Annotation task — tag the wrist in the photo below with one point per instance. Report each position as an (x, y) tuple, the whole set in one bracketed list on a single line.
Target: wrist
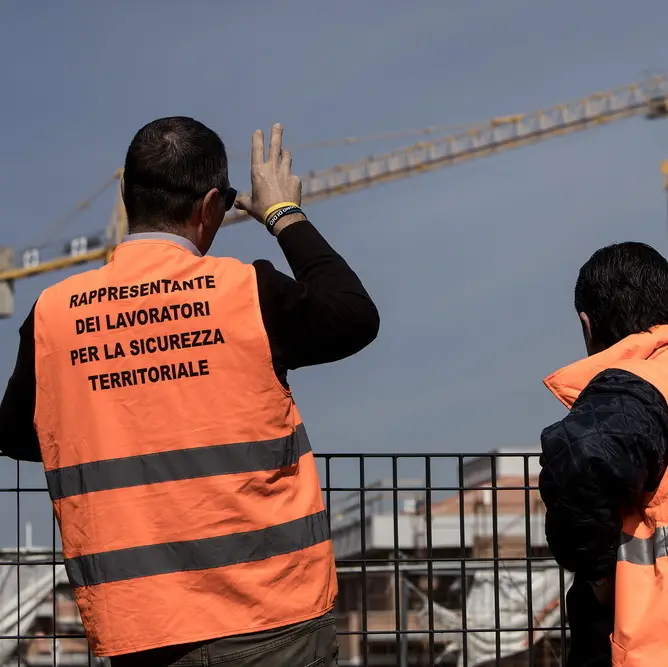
[(277, 213), (288, 220)]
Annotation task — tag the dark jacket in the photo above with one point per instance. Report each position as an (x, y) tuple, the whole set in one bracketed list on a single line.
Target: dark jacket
[(596, 462)]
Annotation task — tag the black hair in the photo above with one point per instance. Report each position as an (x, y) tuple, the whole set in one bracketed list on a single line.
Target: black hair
[(623, 289), (171, 164)]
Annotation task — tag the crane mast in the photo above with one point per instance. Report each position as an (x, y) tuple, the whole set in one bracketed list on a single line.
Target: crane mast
[(647, 98)]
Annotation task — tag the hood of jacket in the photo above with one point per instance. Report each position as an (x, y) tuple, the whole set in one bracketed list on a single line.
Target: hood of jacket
[(568, 382)]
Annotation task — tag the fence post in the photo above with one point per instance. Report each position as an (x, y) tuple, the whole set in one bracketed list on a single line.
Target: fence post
[(404, 621)]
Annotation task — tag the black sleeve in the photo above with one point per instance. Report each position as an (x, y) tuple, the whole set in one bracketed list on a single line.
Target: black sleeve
[(323, 314), (591, 624), (596, 463), (18, 438)]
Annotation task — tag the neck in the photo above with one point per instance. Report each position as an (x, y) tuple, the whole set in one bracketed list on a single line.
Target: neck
[(177, 230), (163, 228)]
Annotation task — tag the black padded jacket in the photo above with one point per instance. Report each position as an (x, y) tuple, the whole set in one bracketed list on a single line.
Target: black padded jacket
[(598, 462)]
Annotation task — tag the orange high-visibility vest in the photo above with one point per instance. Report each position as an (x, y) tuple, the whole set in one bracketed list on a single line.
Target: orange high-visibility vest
[(181, 475), (640, 637)]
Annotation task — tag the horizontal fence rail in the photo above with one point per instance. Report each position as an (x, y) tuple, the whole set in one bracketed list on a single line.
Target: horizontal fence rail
[(441, 560)]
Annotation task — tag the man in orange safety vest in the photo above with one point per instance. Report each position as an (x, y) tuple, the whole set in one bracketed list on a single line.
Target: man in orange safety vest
[(603, 477), (154, 390)]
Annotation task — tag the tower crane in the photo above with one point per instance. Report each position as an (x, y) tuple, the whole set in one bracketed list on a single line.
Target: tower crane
[(648, 98)]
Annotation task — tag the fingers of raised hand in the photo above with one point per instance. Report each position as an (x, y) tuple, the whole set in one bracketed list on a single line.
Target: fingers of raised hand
[(257, 148), (243, 202), (286, 162), (296, 184), (275, 143)]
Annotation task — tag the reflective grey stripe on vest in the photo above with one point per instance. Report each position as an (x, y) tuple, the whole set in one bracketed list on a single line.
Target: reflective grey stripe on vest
[(643, 551), (178, 465), (205, 554)]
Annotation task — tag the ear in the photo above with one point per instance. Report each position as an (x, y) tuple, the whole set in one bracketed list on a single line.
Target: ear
[(212, 205), (123, 187), (586, 332)]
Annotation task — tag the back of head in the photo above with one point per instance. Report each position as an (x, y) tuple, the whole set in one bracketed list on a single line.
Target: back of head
[(623, 290), (170, 165)]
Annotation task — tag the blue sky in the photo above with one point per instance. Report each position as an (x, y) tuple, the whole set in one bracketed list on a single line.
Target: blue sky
[(472, 267)]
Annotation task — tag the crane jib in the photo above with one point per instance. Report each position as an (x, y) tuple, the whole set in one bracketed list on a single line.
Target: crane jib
[(646, 98)]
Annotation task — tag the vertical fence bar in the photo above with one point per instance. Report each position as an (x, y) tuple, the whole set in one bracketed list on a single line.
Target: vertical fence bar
[(365, 582), (328, 495), (495, 554), (398, 616), (462, 546), (562, 613), (54, 610), (430, 557), (328, 491), (528, 547), (18, 563)]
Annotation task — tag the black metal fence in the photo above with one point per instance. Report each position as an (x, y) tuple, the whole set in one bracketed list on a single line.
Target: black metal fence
[(441, 561)]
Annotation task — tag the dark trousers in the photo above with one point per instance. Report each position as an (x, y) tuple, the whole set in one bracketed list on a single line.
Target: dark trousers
[(309, 644)]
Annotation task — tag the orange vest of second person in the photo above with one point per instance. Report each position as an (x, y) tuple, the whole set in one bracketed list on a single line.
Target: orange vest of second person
[(182, 478), (640, 637)]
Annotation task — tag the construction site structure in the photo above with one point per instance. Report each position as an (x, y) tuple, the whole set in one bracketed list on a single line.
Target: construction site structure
[(646, 98)]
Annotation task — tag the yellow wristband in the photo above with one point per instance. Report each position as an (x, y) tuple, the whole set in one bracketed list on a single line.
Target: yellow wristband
[(275, 207)]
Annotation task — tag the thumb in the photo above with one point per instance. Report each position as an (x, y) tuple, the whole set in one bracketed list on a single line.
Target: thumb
[(243, 202)]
